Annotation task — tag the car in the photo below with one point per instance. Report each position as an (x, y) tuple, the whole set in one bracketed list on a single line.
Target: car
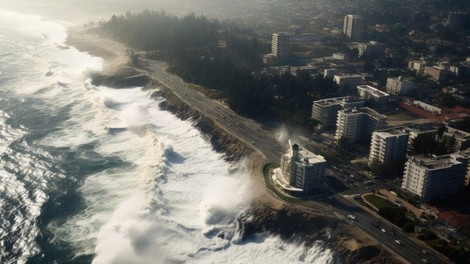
[(424, 260), (383, 230), (398, 242), (352, 217)]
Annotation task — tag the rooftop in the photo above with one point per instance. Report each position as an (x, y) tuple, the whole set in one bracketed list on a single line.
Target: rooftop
[(365, 110), (437, 162), (308, 157), (336, 101), (372, 91), (391, 132)]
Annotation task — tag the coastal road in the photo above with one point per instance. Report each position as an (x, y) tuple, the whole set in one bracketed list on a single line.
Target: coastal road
[(252, 134), (385, 233), (244, 129)]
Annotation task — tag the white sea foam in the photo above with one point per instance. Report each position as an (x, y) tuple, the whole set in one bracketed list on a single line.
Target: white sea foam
[(167, 198)]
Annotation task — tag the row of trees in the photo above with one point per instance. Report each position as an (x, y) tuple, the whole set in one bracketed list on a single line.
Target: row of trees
[(434, 144), (223, 57)]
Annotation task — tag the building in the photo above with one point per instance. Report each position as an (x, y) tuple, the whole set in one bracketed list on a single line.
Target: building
[(435, 72), (302, 170), (354, 26), (388, 146), (357, 124), (372, 94), (326, 110), (462, 138), (427, 107), (280, 46), (399, 86), (347, 81), (339, 56), (417, 66), (423, 130), (371, 50), (330, 73), (458, 20), (436, 176)]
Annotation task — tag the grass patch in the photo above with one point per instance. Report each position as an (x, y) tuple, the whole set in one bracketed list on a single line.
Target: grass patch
[(378, 202)]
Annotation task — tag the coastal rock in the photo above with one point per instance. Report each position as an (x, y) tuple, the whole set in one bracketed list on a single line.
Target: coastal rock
[(221, 141)]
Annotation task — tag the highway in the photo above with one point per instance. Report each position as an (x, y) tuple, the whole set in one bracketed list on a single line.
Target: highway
[(252, 134), (244, 129)]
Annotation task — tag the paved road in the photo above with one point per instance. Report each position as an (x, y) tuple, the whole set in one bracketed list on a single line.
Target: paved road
[(244, 129), (252, 134)]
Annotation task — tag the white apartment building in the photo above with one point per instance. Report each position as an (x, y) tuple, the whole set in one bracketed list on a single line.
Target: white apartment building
[(431, 177), (354, 26), (302, 169), (280, 45), (348, 81), (388, 145), (399, 86), (326, 110), (372, 94), (427, 107), (330, 73), (417, 65), (357, 124)]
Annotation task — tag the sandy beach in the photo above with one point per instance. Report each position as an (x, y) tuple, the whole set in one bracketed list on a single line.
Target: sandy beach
[(114, 54)]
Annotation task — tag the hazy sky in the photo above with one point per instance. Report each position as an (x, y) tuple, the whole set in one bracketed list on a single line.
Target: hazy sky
[(81, 11)]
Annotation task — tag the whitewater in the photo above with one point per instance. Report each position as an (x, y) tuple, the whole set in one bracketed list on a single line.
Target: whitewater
[(91, 174)]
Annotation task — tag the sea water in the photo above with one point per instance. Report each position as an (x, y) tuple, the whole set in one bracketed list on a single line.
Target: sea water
[(94, 174)]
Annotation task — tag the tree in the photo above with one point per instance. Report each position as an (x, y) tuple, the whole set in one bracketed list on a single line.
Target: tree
[(342, 146), (422, 144), (441, 130), (408, 228)]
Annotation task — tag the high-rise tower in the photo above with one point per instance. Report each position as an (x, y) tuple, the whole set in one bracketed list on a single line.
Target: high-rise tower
[(354, 26), (280, 46)]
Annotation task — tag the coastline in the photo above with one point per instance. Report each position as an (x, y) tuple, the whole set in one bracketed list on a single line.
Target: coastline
[(266, 213)]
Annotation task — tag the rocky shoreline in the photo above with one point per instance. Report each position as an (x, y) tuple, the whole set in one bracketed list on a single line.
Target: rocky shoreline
[(291, 223), (266, 213)]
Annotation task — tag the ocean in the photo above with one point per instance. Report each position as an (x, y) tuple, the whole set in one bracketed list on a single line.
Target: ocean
[(91, 174)]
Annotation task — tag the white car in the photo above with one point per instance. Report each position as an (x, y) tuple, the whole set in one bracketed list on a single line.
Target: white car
[(398, 242)]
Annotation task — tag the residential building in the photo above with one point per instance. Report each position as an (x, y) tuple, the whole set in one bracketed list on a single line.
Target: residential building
[(435, 72), (280, 46), (388, 146), (330, 73), (436, 176), (399, 86), (302, 169), (347, 81), (417, 66), (372, 94), (339, 56), (357, 124), (420, 131), (427, 107), (354, 26), (326, 110), (371, 50), (462, 138)]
